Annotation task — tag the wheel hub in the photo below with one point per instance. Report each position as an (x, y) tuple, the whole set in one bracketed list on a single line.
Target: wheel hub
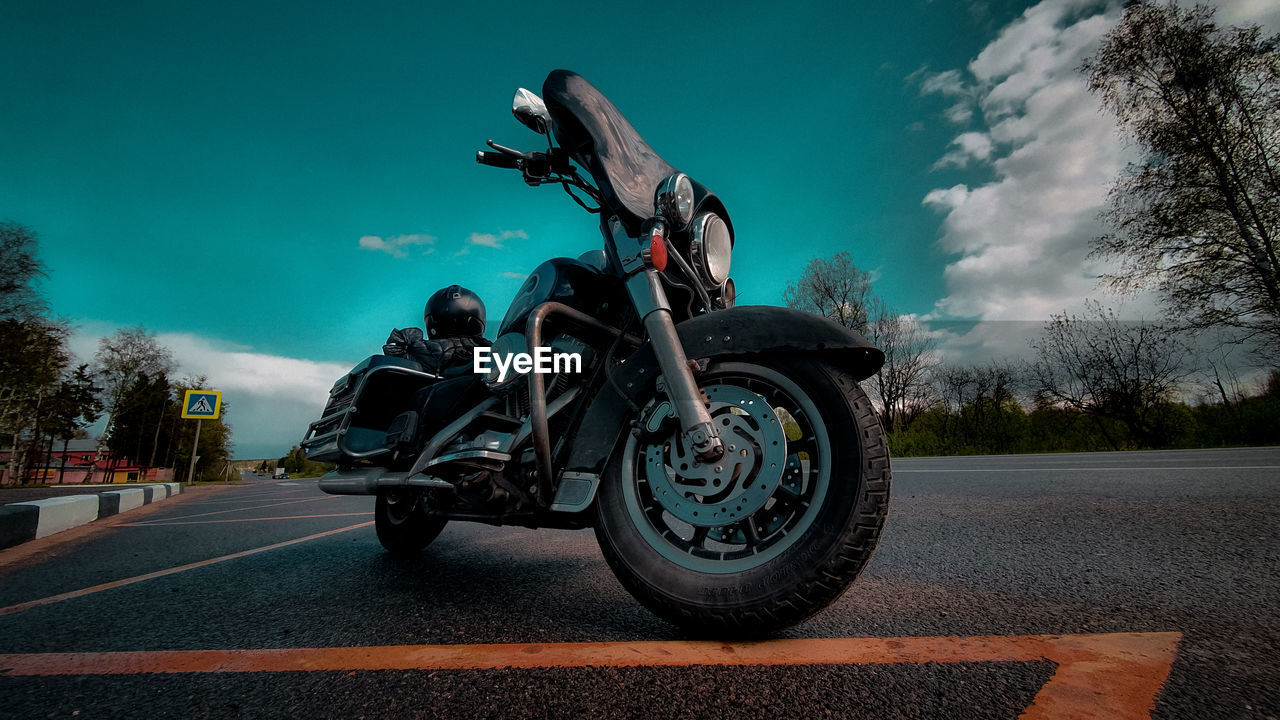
[(739, 483)]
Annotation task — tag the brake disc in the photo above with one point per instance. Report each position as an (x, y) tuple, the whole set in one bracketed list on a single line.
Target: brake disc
[(739, 483)]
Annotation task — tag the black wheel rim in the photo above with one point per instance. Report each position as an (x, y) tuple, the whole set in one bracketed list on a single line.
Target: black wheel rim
[(766, 528), (400, 505)]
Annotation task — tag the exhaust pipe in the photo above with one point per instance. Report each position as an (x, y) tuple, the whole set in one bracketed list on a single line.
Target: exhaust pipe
[(367, 481)]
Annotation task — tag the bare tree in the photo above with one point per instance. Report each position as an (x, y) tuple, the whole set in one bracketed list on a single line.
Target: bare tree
[(1107, 368), (983, 410), (121, 358), (19, 268), (901, 387), (1199, 216), (834, 288), (961, 386)]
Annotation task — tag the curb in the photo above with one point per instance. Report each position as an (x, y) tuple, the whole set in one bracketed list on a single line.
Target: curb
[(24, 521)]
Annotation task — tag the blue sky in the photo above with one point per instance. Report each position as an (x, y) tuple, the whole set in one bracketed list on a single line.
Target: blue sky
[(208, 171)]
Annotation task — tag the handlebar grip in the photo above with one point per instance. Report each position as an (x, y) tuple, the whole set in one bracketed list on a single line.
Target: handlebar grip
[(496, 159)]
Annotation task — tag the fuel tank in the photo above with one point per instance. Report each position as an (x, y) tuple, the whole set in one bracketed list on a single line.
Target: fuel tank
[(564, 280)]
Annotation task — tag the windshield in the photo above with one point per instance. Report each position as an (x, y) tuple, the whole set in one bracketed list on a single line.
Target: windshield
[(601, 140)]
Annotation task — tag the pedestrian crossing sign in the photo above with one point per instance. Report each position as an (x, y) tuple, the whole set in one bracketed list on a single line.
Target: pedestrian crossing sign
[(202, 404)]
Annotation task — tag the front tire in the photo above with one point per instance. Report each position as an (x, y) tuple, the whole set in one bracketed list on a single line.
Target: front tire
[(801, 532), (403, 526)]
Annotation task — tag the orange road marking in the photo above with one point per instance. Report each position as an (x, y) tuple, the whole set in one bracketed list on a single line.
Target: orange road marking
[(255, 507), (236, 520), (1098, 676), (161, 573)]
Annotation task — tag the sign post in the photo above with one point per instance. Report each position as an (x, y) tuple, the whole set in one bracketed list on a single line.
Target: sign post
[(200, 405)]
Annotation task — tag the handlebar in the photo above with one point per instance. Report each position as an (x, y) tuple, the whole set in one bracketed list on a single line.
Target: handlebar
[(539, 168), (535, 166), (497, 159)]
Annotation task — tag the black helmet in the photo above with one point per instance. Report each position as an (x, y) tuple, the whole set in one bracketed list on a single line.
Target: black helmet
[(454, 312)]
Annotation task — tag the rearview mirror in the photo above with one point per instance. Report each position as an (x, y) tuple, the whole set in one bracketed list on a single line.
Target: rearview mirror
[(531, 111)]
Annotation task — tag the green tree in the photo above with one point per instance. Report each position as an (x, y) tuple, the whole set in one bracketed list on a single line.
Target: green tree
[(293, 461), (1199, 216), (214, 451), (33, 355), (120, 359), (75, 407), (139, 430)]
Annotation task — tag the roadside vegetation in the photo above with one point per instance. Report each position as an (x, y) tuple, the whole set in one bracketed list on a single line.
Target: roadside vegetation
[(1093, 383), (48, 399), (295, 463)]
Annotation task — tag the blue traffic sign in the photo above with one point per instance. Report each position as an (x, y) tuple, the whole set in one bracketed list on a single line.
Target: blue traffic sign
[(202, 404)]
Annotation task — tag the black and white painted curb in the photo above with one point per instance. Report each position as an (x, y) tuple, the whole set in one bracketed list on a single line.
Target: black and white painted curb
[(23, 521)]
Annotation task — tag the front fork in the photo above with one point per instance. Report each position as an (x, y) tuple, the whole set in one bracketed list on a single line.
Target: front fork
[(650, 301)]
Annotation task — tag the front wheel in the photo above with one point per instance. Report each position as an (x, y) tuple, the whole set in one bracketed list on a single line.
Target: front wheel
[(403, 526), (775, 530)]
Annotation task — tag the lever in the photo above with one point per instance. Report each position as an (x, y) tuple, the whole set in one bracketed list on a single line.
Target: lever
[(505, 150)]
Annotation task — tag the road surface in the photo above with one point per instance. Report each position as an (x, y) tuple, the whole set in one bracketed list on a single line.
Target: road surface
[(1168, 561)]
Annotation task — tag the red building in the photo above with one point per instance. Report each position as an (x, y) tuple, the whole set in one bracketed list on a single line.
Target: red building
[(81, 463)]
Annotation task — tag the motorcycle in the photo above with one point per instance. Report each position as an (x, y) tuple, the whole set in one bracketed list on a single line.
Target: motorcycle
[(734, 472)]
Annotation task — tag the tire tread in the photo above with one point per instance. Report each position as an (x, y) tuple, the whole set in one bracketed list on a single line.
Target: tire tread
[(824, 582)]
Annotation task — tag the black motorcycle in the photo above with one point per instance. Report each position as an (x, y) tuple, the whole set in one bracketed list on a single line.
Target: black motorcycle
[(735, 474)]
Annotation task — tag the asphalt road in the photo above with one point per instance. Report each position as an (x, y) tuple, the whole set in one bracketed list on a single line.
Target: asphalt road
[(1157, 542)]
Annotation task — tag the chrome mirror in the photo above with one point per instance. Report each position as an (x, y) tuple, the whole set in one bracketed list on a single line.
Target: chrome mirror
[(531, 111)]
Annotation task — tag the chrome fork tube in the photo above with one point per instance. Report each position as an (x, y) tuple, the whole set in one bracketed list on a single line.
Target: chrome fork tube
[(695, 421)]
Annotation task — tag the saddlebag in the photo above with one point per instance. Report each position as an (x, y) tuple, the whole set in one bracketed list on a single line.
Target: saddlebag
[(371, 411)]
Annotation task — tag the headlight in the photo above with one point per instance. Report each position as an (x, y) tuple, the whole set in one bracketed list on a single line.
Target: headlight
[(674, 200), (711, 248)]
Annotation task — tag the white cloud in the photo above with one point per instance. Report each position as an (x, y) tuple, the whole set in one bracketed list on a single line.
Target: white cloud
[(485, 240), (395, 245), (949, 83), (1023, 238), (975, 343), (960, 113), (271, 398), (234, 369), (968, 146), (495, 241), (490, 240), (1246, 12)]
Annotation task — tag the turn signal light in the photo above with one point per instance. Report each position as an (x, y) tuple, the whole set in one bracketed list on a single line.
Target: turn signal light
[(657, 251)]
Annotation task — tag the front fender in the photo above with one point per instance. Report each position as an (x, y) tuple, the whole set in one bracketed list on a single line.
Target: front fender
[(753, 329), (740, 331)]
